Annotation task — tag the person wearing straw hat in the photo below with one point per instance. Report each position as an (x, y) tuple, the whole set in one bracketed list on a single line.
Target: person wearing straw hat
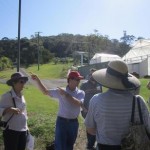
[(13, 111), (109, 113), (70, 101)]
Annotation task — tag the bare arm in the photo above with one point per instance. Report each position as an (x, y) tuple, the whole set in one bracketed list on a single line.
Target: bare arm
[(70, 98), (12, 110), (91, 131), (40, 84)]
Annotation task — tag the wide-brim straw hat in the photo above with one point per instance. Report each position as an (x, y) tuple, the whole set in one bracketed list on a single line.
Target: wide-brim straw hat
[(116, 76), (15, 77)]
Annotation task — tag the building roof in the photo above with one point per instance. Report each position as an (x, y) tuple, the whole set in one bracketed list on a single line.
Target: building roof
[(139, 51), (102, 57)]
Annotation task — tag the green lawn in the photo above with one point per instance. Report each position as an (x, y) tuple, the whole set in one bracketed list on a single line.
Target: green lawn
[(50, 70), (46, 71), (41, 112), (41, 108)]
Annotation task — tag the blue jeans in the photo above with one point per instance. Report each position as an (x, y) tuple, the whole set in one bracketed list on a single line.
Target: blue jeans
[(91, 139), (65, 134)]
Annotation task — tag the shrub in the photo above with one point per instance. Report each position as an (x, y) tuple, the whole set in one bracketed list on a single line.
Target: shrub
[(5, 63)]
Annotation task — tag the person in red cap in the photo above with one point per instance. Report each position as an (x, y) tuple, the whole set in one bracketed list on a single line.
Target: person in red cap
[(70, 100)]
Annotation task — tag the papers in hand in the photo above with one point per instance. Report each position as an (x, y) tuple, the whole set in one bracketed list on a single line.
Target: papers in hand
[(30, 142)]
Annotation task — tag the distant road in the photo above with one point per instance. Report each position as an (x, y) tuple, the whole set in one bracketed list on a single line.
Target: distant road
[(51, 83)]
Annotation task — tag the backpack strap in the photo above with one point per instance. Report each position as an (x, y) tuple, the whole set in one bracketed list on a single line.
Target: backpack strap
[(14, 105), (133, 109), (140, 112)]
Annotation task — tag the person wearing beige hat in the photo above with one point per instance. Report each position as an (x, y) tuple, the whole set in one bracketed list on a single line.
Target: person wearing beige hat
[(109, 113), (13, 111)]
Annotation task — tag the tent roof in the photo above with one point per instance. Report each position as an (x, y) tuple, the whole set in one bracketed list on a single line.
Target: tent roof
[(139, 51), (101, 57), (104, 55)]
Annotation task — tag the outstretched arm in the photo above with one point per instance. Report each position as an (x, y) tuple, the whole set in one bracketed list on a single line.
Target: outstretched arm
[(70, 98), (40, 84)]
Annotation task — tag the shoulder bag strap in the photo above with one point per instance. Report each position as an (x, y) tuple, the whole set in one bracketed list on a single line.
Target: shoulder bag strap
[(14, 105), (140, 112), (133, 110)]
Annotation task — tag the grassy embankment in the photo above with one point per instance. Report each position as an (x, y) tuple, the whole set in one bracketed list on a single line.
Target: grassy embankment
[(42, 109)]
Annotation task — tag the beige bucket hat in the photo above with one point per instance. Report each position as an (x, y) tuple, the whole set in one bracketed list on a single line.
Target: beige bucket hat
[(116, 76)]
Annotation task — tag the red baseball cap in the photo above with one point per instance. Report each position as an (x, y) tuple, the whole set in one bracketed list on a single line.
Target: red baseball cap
[(75, 74)]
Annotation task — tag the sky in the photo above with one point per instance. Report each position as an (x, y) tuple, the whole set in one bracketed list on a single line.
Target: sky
[(53, 17)]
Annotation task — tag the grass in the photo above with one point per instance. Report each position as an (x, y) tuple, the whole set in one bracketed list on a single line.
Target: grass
[(46, 71), (41, 113), (49, 71), (6, 73), (144, 91), (42, 110)]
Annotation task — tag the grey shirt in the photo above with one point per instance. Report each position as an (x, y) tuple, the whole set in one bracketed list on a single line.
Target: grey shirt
[(19, 121), (110, 113), (90, 89)]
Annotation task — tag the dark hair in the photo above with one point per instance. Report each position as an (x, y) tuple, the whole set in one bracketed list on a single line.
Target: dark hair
[(93, 69), (69, 79)]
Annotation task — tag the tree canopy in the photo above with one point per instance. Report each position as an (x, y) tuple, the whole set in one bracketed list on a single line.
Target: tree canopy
[(62, 46)]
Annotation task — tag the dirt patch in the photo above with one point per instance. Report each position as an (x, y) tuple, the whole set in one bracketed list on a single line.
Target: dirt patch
[(81, 139)]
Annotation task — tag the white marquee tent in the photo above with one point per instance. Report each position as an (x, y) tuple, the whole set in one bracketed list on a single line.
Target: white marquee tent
[(139, 51), (138, 58), (101, 57)]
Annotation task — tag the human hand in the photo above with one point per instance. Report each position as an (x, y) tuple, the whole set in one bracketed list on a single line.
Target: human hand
[(15, 110), (34, 76), (61, 91)]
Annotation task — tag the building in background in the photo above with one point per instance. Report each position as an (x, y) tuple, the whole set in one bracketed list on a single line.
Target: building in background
[(138, 58), (101, 57)]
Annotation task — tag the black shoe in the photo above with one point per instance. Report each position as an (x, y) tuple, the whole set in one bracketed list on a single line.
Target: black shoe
[(91, 148)]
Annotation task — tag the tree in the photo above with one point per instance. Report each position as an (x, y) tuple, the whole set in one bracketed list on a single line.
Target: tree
[(128, 39)]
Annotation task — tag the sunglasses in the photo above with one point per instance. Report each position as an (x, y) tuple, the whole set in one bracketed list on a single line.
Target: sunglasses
[(22, 81)]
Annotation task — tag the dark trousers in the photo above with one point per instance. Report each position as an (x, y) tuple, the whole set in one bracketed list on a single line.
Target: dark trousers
[(66, 133), (91, 139), (109, 147), (14, 140)]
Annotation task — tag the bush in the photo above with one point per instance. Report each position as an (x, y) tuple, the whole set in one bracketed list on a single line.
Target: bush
[(5, 63)]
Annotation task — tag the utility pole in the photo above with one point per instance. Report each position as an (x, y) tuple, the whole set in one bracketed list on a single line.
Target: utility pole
[(38, 34), (19, 22)]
